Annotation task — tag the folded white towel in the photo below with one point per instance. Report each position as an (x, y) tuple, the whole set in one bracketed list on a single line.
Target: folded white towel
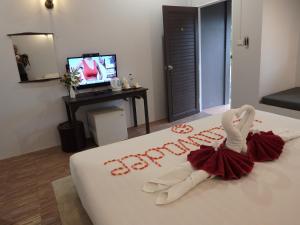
[(245, 124), (181, 179), (174, 176), (247, 119), (180, 189), (236, 135), (287, 135)]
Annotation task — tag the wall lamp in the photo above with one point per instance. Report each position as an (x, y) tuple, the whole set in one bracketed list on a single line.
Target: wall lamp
[(49, 4)]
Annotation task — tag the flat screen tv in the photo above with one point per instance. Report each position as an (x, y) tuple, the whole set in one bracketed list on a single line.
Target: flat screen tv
[(94, 71)]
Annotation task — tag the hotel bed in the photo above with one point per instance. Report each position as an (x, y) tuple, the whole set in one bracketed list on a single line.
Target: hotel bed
[(109, 180)]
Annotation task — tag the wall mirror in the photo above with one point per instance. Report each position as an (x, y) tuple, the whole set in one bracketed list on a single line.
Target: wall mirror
[(35, 56)]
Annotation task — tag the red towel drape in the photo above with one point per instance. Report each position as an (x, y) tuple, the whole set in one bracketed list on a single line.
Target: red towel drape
[(264, 146), (223, 162)]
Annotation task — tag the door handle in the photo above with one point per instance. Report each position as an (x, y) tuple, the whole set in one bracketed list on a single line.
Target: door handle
[(170, 67)]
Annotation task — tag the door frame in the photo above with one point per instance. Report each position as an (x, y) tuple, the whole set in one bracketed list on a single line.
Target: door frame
[(213, 2), (170, 9), (228, 47), (209, 3)]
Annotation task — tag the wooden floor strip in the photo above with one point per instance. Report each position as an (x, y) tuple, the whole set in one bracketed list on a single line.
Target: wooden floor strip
[(26, 194)]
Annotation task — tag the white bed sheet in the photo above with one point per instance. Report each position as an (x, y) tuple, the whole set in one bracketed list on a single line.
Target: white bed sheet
[(270, 195)]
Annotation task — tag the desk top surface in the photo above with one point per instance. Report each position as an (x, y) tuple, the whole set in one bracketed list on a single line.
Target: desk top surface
[(102, 95)]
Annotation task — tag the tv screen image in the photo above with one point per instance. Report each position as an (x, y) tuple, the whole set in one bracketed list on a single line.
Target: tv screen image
[(94, 71)]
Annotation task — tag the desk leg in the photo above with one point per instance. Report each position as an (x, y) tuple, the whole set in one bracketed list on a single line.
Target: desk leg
[(68, 112), (134, 111), (146, 113), (73, 114)]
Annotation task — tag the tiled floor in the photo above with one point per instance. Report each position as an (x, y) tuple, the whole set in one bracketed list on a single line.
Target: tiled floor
[(26, 194), (217, 109)]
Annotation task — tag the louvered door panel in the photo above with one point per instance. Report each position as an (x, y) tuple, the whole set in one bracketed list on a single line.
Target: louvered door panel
[(181, 53)]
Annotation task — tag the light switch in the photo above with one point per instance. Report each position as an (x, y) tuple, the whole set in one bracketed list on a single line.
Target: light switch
[(240, 42)]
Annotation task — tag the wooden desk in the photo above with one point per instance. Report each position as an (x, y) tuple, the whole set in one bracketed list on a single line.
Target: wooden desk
[(72, 105)]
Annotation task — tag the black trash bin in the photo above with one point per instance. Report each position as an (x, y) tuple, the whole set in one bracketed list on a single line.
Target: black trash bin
[(72, 136)]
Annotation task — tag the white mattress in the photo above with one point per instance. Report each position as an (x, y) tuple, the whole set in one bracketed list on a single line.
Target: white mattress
[(270, 195)]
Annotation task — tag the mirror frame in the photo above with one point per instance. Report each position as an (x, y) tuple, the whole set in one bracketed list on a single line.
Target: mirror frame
[(29, 33), (34, 33)]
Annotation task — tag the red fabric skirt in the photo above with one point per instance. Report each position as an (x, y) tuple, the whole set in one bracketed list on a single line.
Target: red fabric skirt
[(264, 146), (223, 162)]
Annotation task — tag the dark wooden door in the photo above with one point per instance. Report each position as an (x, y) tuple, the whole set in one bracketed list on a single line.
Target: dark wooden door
[(181, 60), (215, 54)]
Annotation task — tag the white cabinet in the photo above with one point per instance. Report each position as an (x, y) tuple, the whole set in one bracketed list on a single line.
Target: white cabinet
[(108, 125)]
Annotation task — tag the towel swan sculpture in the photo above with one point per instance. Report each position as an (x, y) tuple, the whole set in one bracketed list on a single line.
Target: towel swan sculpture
[(236, 136), (186, 176)]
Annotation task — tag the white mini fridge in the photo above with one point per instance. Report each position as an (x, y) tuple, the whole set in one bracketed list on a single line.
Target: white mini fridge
[(108, 125)]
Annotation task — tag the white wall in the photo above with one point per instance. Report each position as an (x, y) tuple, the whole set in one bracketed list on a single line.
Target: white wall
[(280, 40), (132, 29), (269, 64), (201, 3), (247, 21), (280, 52), (41, 53), (298, 65)]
